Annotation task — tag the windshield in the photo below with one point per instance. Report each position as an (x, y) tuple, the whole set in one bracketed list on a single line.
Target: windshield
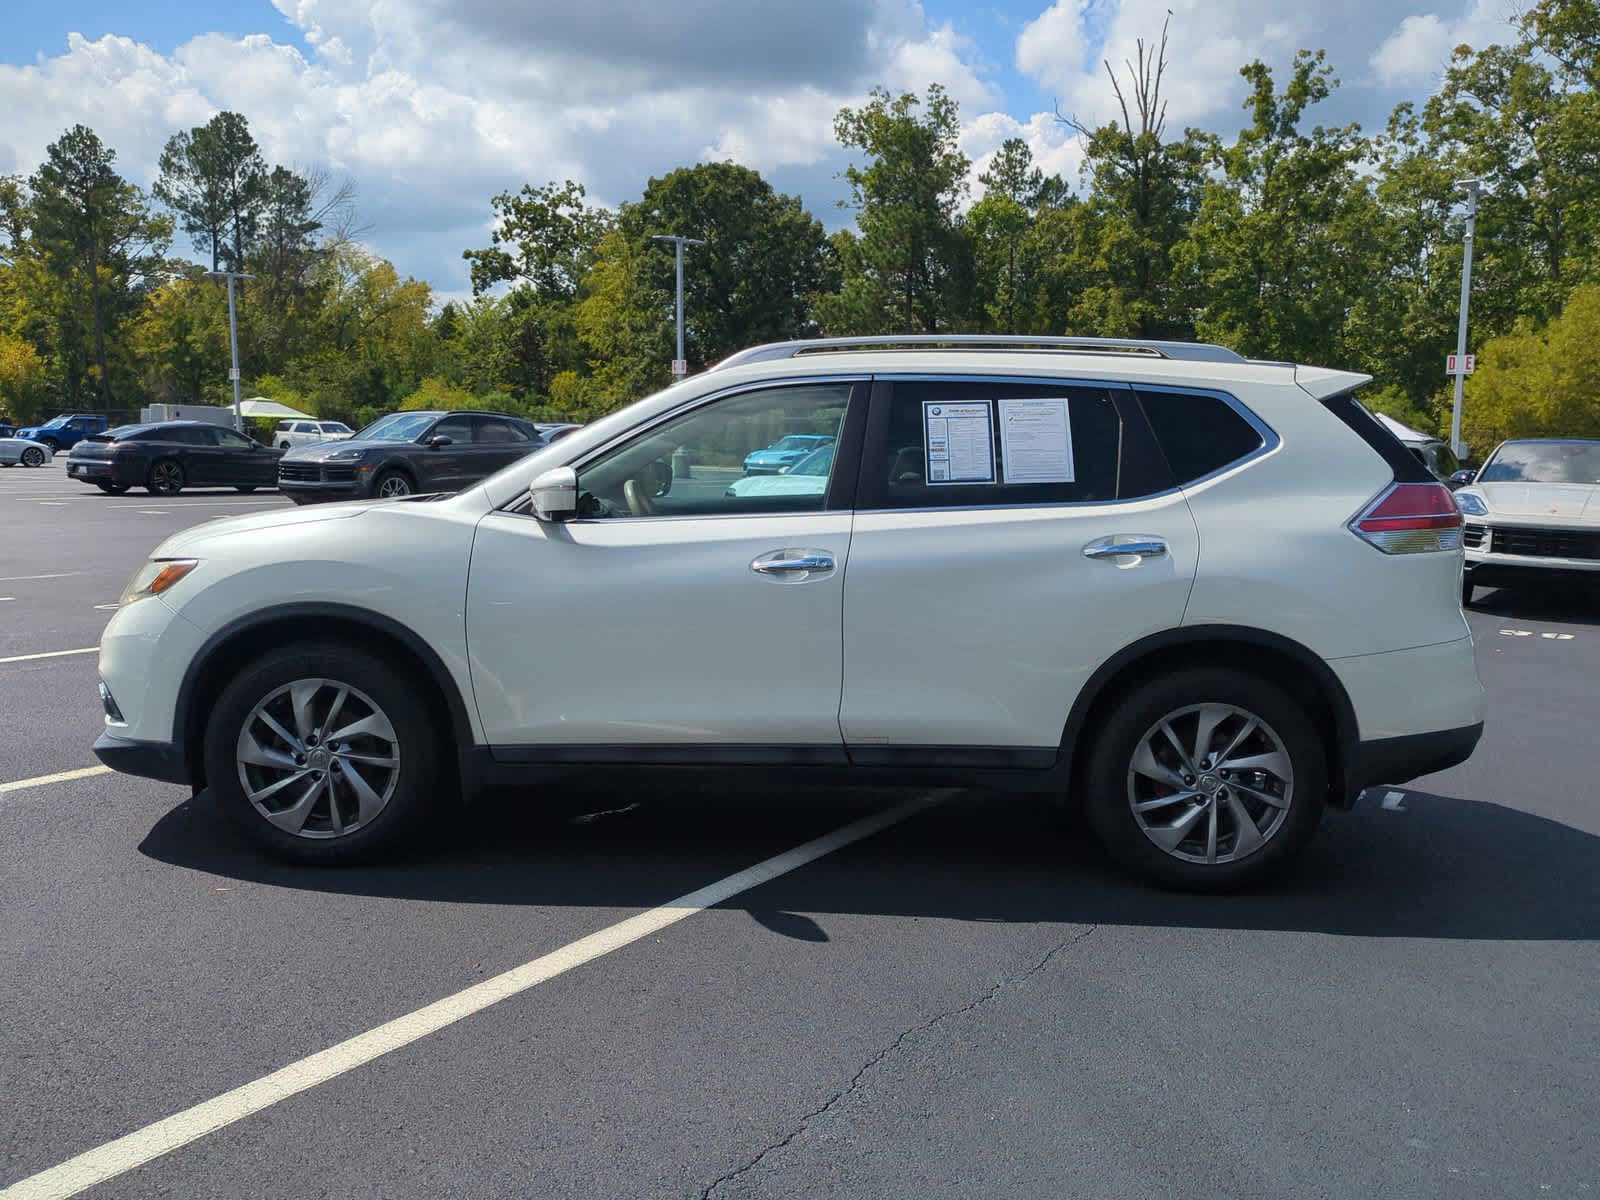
[(818, 462), (397, 427), (1543, 462), (794, 441), (55, 422)]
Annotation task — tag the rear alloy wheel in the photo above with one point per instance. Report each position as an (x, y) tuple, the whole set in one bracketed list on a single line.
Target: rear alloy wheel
[(323, 754), (33, 457), (166, 478), (1207, 779), (391, 485)]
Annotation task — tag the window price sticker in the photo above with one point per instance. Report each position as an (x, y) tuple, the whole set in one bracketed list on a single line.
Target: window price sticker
[(959, 442)]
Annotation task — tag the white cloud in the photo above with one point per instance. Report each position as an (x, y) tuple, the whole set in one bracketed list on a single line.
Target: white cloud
[(1418, 49)]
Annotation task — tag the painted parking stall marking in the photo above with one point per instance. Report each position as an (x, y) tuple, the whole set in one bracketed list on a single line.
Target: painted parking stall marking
[(18, 785), (16, 658), (141, 1146), (1549, 637)]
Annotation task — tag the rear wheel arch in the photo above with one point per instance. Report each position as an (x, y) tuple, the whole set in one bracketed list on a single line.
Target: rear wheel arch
[(1280, 660), (239, 643)]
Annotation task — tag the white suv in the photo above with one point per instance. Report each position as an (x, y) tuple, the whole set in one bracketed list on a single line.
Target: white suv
[(1203, 596), (290, 434)]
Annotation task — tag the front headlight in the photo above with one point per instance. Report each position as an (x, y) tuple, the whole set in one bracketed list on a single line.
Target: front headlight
[(344, 456), (156, 576), (1471, 505)]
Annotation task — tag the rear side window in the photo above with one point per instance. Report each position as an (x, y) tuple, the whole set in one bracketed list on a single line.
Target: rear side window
[(957, 443), (191, 435), (1406, 467), (1200, 434)]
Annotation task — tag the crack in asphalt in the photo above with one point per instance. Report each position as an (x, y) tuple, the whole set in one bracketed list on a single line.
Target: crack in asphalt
[(843, 1093)]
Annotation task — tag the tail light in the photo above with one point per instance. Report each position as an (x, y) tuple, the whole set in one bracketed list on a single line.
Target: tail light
[(1411, 518)]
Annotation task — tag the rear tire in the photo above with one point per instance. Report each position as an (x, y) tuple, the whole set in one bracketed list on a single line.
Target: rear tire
[(33, 457), (324, 817), (165, 478), (246, 488), (1467, 588), (1280, 785)]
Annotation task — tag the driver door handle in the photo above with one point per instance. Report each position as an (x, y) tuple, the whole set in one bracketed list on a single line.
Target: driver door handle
[(1139, 545)]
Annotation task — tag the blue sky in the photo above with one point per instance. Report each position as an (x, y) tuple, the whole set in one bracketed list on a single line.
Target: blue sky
[(432, 106)]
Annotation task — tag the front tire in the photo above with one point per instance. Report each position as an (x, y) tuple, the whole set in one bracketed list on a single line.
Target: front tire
[(33, 457), (391, 485), (323, 754), (50, 444), (165, 478), (1467, 588), (1207, 779)]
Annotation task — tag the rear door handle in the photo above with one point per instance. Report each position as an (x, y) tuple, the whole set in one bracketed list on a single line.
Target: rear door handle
[(1139, 545), (793, 566)]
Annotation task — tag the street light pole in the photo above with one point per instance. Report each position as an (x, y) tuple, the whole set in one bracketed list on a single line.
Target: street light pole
[(233, 340), (1470, 186), (680, 365)]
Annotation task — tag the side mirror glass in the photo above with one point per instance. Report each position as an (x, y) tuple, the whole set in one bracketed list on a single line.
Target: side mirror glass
[(554, 495), (1462, 478)]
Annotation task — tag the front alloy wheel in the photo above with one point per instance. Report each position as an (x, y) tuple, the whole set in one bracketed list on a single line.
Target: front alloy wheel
[(33, 457), (393, 485), (1210, 783), (318, 758)]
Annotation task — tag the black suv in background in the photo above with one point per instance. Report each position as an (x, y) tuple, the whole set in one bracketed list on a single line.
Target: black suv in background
[(166, 457), (406, 453)]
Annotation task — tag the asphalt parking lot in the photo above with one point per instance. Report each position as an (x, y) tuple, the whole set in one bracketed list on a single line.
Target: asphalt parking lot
[(965, 1002)]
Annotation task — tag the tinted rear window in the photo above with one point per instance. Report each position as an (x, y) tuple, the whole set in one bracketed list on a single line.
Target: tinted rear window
[(1199, 434), (1407, 467)]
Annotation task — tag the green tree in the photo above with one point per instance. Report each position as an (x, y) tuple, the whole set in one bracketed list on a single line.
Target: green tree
[(620, 321), (178, 341), (21, 378), (1286, 239), (1144, 191), (94, 229), (1539, 381), (763, 261), (435, 393), (544, 238), (214, 178), (910, 268)]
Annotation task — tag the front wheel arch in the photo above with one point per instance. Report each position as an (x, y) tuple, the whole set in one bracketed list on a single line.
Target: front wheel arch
[(236, 644)]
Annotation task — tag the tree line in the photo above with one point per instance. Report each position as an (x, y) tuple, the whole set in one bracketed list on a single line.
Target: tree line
[(1290, 240)]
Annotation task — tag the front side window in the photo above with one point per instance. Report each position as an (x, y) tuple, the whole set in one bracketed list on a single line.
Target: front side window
[(233, 441), (708, 461), (457, 429), (954, 443)]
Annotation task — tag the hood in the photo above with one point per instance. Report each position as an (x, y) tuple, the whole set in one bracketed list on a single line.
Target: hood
[(180, 544), (1548, 500), (328, 447)]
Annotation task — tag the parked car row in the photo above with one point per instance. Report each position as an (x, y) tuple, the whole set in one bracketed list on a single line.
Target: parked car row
[(309, 460)]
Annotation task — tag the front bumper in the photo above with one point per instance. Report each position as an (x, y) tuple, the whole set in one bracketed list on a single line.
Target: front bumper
[(152, 760), (310, 491), (1503, 552), (1402, 759)]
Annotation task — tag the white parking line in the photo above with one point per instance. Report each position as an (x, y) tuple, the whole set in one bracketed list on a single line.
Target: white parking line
[(16, 785), (139, 1147), (20, 578), (195, 504), (50, 654)]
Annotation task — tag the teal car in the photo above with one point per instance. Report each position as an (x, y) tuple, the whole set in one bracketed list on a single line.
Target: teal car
[(785, 452)]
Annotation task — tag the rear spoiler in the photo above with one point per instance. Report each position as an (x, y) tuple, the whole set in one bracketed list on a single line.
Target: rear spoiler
[(1320, 382)]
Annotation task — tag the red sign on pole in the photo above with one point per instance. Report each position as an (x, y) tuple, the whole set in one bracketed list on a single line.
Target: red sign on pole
[(1468, 362)]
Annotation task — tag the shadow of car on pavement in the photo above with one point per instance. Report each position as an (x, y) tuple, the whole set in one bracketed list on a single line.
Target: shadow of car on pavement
[(1438, 868)]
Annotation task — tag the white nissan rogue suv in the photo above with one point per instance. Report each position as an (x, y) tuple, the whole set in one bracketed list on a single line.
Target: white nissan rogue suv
[(1202, 596)]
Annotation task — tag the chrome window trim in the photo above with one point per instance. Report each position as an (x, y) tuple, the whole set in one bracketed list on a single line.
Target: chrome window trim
[(1270, 441)]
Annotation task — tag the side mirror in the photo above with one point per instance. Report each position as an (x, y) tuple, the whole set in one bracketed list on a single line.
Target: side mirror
[(554, 495), (442, 439), (1462, 478)]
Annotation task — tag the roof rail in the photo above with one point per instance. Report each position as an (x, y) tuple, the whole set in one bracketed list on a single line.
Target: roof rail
[(1190, 351)]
